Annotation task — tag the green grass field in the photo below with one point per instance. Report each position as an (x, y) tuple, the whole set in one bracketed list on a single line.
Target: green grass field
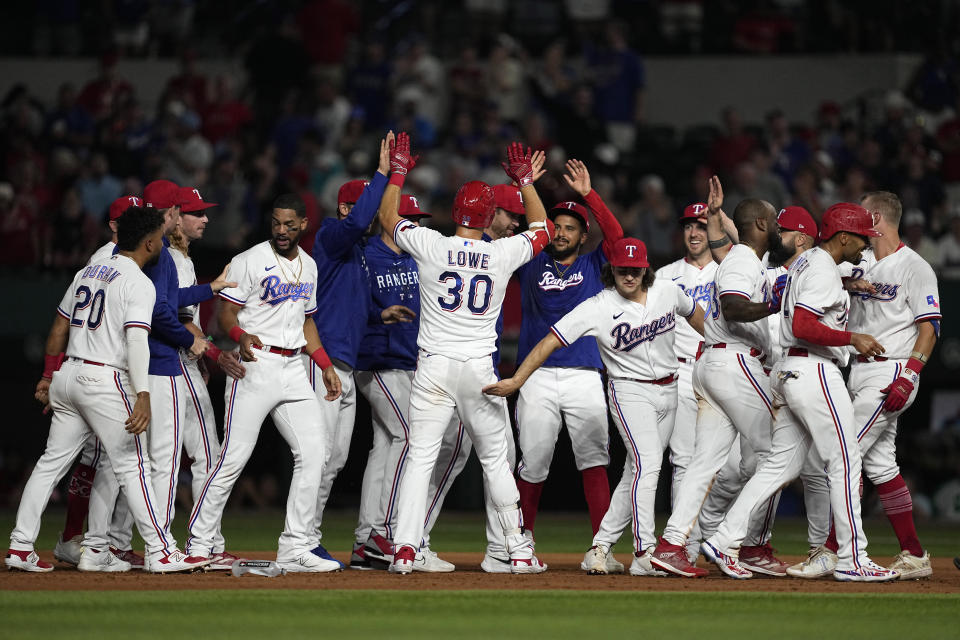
[(468, 614)]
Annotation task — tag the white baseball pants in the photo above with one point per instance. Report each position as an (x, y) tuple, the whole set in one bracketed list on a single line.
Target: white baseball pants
[(274, 385), (876, 428), (165, 440)]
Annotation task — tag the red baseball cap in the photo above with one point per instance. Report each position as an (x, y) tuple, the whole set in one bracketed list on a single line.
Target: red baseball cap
[(629, 252), (121, 204), (696, 211), (350, 191), (161, 194), (574, 209), (410, 208), (191, 201), (797, 219), (507, 197)]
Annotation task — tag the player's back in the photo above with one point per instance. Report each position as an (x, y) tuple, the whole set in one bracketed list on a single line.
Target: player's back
[(104, 299), (462, 285)]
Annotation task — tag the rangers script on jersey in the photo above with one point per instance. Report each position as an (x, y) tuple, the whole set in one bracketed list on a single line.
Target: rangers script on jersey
[(698, 283)]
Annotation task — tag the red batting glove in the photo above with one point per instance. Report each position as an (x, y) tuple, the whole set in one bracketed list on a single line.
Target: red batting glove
[(898, 392), (401, 161), (519, 165)]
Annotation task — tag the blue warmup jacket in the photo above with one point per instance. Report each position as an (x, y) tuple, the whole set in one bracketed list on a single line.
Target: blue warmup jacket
[(393, 280), (343, 296)]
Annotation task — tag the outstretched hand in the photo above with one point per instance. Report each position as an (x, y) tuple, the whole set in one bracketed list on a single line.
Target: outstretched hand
[(578, 177), (221, 282), (502, 388), (401, 160), (715, 196), (519, 165)]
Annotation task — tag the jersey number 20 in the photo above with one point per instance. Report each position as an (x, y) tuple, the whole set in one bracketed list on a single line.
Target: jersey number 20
[(478, 294), (87, 300)]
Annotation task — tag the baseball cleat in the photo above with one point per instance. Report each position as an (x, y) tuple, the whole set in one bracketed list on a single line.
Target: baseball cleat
[(222, 561), (820, 562), (134, 558), (101, 560), (358, 559), (910, 567), (522, 557), (613, 565), (956, 561), (174, 562), (321, 552), (403, 560), (310, 562), (378, 551), (760, 559), (595, 560), (428, 561), (869, 571), (641, 565), (672, 558), (728, 564), (26, 561), (68, 551), (495, 564)]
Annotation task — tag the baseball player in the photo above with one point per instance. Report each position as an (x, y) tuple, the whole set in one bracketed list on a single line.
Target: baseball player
[(80, 490), (903, 312), (633, 321), (200, 439), (462, 284), (342, 285), (101, 327), (568, 388), (269, 316), (728, 378), (811, 399)]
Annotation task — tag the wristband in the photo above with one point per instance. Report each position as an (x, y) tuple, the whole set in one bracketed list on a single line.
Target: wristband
[(537, 225), (213, 352), (722, 242), (320, 358), (913, 365), (51, 364), (918, 355), (397, 179), (236, 333)]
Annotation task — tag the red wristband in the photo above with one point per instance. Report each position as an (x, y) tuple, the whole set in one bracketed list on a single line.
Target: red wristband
[(236, 333), (213, 352), (320, 357), (914, 365), (397, 179), (51, 364)]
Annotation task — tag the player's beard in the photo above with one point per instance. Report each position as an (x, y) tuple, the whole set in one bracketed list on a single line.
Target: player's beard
[(779, 253), (561, 254)]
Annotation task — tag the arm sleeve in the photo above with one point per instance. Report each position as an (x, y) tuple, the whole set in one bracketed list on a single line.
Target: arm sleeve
[(138, 358), (922, 294), (524, 247), (612, 231), (166, 322), (189, 296), (65, 308), (238, 295), (733, 279), (807, 326), (413, 239), (337, 237), (578, 323), (311, 307)]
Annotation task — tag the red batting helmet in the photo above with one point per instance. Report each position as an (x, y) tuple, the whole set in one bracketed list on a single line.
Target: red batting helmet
[(849, 217), (474, 205)]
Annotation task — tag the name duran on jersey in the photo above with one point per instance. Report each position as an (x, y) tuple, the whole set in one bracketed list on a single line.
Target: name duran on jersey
[(100, 272)]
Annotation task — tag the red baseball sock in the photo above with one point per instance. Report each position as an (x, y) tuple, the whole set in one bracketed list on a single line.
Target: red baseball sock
[(831, 542), (529, 501), (596, 489), (898, 505), (78, 500)]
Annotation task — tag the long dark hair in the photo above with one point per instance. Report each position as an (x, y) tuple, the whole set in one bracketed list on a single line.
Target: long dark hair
[(646, 281)]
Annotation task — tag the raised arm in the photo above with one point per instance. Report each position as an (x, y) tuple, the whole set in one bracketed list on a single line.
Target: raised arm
[(578, 178), (721, 232), (525, 168), (398, 151)]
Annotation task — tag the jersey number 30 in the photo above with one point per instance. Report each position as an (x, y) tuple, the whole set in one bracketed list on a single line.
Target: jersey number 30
[(478, 294), (92, 303)]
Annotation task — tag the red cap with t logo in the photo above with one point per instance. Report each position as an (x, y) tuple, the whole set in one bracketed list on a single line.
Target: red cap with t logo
[(191, 201), (121, 204), (629, 252), (696, 211)]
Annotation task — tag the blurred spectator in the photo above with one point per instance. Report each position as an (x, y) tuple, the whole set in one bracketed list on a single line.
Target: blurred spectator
[(21, 111), (948, 141), (190, 154), (22, 228), (69, 123), (555, 75), (733, 146), (291, 124), (98, 188), (915, 237), (225, 115), (764, 30), (228, 226), (333, 111), (788, 151), (102, 95), (189, 86), (579, 130), (933, 86), (920, 188), (276, 64), (893, 129), (75, 233), (656, 221), (368, 84), (326, 27), (950, 248), (806, 192), (466, 80), (505, 82), (753, 179), (419, 77), (856, 182), (619, 81)]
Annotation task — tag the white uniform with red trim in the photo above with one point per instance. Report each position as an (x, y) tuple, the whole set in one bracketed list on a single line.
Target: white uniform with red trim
[(276, 295), (733, 392), (91, 394), (812, 406), (200, 440), (637, 347), (462, 285), (907, 294)]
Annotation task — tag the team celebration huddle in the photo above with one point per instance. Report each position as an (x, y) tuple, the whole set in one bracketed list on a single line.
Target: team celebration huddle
[(729, 358)]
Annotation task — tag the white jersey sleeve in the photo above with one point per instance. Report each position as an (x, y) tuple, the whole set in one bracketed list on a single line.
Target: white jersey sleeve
[(923, 295), (813, 283), (244, 279), (698, 283), (186, 277), (583, 320)]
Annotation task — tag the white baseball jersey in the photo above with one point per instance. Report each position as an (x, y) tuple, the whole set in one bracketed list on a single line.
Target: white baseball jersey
[(187, 277), (698, 283), (462, 284), (103, 300), (813, 283), (741, 274), (635, 340), (773, 320), (906, 294), (275, 294), (103, 252)]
